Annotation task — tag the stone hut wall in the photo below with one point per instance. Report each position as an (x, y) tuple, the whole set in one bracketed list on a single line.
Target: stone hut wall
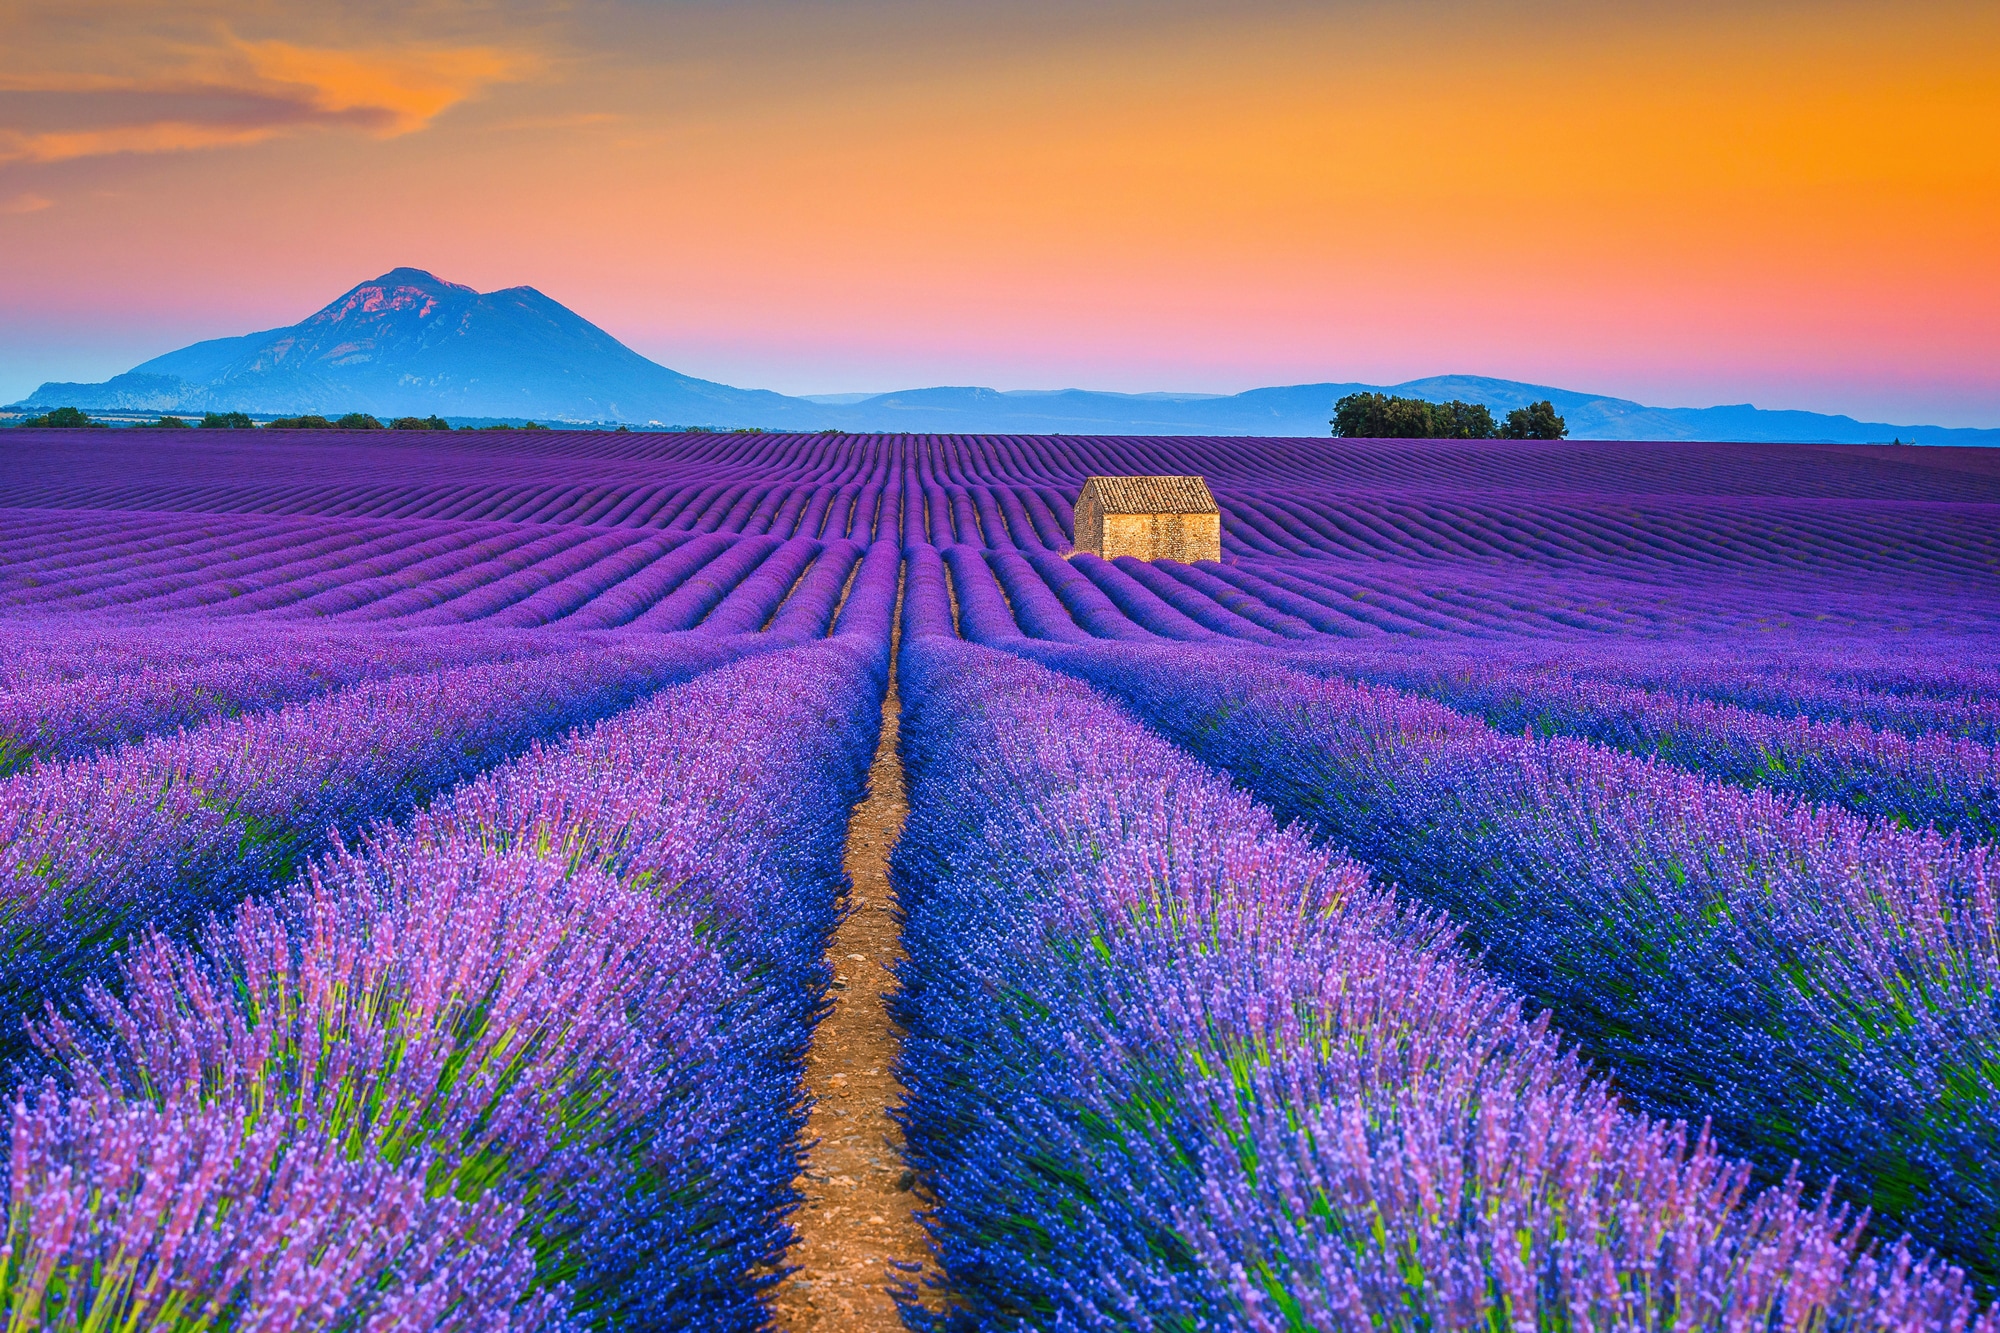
[(1183, 537), (1152, 518), (1089, 522)]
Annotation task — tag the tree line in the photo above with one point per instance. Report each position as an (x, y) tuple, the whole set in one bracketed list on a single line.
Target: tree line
[(1381, 416), (70, 418)]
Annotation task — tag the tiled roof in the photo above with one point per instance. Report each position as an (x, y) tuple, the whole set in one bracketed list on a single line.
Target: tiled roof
[(1152, 495)]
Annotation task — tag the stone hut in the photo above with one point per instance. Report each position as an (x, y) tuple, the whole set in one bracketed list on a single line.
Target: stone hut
[(1153, 518)]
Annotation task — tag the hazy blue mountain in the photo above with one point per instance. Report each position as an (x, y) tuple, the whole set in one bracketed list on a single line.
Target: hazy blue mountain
[(1304, 409), (409, 343)]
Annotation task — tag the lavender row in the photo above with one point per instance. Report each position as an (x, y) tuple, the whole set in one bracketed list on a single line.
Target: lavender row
[(51, 718), (1911, 684), (714, 468), (1171, 1065), (66, 648), (161, 831), (569, 579), (1945, 782), (1819, 986), (425, 573), (1935, 692), (1010, 494), (533, 1062)]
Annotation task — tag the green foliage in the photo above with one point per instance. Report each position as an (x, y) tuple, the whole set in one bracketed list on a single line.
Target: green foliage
[(64, 418), (1461, 421), (1536, 421), (1382, 416), (357, 421), (431, 422), (308, 422), (227, 421), (532, 425), (171, 423)]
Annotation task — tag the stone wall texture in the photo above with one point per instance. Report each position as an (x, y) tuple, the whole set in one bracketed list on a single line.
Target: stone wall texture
[(1152, 518)]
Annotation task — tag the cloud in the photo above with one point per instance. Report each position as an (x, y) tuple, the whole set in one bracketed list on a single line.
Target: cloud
[(26, 203), (388, 92), (234, 93)]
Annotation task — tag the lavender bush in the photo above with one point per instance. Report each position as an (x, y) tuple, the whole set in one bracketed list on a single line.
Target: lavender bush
[(52, 718), (159, 832), (533, 1060), (1172, 1066), (1820, 987), (1941, 781)]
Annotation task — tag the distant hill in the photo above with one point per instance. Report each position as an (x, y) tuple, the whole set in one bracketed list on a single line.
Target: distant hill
[(1304, 409), (409, 343)]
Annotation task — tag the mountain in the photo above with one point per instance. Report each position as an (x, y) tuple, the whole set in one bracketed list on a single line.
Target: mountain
[(409, 344), (1304, 409)]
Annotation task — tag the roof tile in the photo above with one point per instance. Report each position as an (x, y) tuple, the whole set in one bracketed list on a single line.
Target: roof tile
[(1152, 495)]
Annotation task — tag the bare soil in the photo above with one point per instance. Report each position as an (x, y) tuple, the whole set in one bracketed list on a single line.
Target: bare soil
[(858, 1220)]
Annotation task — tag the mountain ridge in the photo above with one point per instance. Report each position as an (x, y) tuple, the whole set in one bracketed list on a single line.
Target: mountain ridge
[(410, 343)]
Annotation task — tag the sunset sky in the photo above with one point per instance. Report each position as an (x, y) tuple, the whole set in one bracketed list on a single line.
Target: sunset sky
[(1685, 203)]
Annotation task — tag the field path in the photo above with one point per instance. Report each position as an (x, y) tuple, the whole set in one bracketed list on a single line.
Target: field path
[(858, 1216)]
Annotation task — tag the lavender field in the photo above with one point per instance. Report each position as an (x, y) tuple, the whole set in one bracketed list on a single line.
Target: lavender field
[(1527, 885)]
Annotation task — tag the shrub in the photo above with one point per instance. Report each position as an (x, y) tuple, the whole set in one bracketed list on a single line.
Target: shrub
[(1536, 421), (431, 422), (64, 418), (307, 422), (227, 421), (171, 423), (357, 421)]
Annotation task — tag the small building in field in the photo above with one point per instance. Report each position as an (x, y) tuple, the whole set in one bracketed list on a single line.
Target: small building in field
[(1153, 518)]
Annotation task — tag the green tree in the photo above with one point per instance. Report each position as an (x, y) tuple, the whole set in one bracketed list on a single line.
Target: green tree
[(1461, 421), (227, 421), (1536, 421), (357, 421), (1381, 416), (1361, 416), (431, 422), (171, 423), (64, 418), (311, 421)]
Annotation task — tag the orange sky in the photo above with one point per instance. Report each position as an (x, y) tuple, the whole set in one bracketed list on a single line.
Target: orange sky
[(1788, 204)]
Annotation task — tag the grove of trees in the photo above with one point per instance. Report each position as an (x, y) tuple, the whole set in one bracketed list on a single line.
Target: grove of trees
[(1381, 416), (63, 418)]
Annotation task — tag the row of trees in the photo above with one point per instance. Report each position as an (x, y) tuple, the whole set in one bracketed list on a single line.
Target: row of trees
[(70, 418), (362, 421), (63, 418), (1381, 416)]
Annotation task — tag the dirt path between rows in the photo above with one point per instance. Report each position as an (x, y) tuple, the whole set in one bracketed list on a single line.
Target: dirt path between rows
[(858, 1217)]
